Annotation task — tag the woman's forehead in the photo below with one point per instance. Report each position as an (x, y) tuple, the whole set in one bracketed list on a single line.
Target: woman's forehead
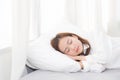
[(65, 38)]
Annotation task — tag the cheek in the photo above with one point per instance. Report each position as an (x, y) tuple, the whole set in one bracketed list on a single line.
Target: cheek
[(80, 46), (72, 53), (80, 43)]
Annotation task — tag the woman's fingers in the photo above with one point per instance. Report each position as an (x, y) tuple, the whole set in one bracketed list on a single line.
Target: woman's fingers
[(81, 58), (75, 57)]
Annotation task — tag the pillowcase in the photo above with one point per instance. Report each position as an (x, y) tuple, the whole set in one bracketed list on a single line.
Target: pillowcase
[(41, 55)]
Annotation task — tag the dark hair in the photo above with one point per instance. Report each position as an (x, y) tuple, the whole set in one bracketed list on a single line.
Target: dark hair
[(55, 41)]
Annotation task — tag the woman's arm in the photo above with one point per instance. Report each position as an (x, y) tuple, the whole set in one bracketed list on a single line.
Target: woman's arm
[(90, 58), (88, 65), (92, 67), (101, 59)]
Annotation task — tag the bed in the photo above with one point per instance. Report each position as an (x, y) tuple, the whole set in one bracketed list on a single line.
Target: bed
[(51, 75)]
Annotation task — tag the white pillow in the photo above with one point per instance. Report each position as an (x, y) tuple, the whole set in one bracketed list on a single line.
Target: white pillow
[(42, 56)]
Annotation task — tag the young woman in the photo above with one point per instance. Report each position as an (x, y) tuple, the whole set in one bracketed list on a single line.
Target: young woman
[(95, 54)]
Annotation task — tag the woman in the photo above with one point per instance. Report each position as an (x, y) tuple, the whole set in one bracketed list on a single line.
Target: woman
[(95, 54)]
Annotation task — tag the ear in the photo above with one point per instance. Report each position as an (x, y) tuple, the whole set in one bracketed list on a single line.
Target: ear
[(75, 36)]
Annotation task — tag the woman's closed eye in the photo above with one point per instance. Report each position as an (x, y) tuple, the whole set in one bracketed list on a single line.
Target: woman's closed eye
[(69, 41)]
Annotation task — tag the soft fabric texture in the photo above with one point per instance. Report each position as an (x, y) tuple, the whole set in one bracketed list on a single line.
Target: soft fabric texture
[(50, 75), (42, 56)]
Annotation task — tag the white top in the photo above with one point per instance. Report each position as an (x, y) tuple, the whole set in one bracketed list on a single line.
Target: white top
[(100, 54)]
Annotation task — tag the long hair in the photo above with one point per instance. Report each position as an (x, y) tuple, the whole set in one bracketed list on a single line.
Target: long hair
[(55, 42)]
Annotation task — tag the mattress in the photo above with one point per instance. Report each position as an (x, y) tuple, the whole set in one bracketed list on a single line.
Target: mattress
[(50, 75)]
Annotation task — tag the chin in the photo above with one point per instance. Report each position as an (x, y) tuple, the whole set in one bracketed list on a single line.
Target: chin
[(78, 54)]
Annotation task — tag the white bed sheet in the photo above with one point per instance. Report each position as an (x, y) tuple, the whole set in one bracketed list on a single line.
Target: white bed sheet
[(50, 75)]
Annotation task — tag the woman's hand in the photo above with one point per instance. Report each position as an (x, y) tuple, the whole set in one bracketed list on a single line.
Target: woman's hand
[(81, 64), (80, 58)]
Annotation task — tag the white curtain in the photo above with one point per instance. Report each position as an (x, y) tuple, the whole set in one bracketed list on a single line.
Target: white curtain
[(52, 12), (93, 14), (20, 29), (26, 27), (34, 19)]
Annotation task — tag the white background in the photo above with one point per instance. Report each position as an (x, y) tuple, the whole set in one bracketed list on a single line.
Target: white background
[(5, 23)]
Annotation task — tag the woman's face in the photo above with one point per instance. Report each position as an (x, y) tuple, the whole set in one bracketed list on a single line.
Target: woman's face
[(70, 45)]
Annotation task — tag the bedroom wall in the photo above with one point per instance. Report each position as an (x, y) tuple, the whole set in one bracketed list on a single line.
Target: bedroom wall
[(114, 24), (5, 63), (5, 39), (114, 29)]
